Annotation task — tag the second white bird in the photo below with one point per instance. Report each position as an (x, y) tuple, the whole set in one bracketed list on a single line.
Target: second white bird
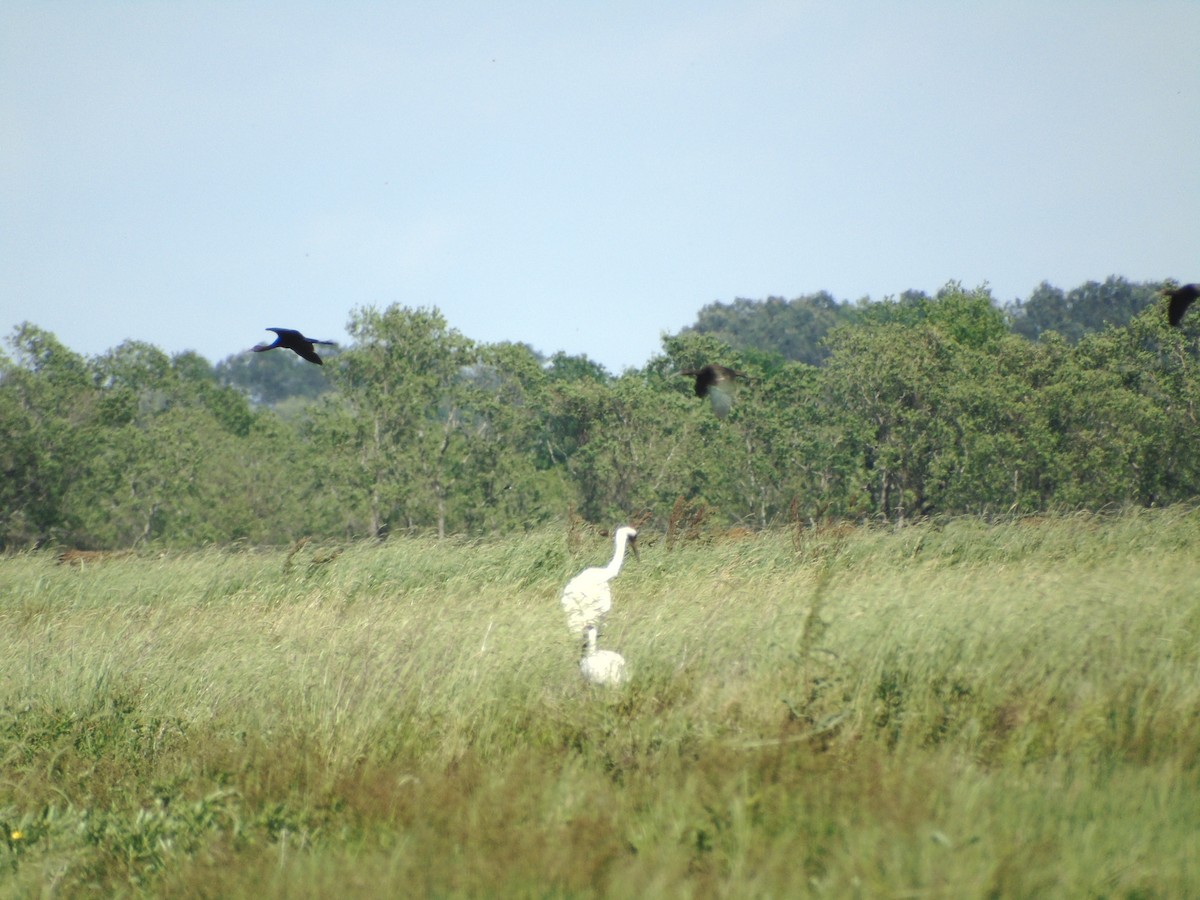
[(605, 667)]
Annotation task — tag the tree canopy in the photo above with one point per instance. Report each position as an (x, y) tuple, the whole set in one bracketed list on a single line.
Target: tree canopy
[(912, 406)]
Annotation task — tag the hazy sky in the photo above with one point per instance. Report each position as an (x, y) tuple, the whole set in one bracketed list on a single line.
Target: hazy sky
[(577, 176)]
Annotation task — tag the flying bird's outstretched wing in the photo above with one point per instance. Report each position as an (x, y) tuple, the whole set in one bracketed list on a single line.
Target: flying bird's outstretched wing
[(293, 340), (304, 349), (1179, 299), (718, 384)]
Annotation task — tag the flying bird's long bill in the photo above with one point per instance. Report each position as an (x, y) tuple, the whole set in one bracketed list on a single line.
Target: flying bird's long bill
[(633, 546)]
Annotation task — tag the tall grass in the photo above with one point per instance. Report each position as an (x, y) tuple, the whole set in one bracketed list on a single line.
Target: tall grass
[(948, 710)]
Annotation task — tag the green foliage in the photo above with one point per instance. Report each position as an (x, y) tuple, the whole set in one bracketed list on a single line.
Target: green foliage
[(503, 486), (272, 378), (793, 329), (967, 317), (922, 406), (429, 430), (949, 414), (620, 445), (561, 367), (132, 446), (1087, 309), (53, 420), (949, 709)]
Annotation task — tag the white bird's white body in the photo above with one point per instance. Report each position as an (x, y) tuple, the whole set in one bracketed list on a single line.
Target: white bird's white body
[(604, 667), (587, 597)]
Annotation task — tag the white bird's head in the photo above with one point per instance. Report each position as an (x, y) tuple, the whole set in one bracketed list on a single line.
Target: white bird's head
[(630, 534)]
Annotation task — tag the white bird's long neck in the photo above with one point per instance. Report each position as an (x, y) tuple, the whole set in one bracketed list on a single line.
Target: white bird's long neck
[(589, 641), (614, 564)]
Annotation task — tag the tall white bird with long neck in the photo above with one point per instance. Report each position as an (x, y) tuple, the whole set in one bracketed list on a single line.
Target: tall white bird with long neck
[(605, 667), (587, 597)]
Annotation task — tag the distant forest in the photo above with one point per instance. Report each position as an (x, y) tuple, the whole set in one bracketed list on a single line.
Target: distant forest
[(908, 407)]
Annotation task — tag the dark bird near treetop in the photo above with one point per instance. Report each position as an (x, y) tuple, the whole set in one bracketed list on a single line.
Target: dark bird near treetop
[(1180, 299), (717, 383)]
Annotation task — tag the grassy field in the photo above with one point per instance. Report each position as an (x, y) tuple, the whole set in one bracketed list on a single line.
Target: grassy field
[(946, 710)]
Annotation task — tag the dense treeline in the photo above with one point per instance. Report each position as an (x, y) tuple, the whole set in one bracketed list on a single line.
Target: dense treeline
[(920, 405), (795, 329)]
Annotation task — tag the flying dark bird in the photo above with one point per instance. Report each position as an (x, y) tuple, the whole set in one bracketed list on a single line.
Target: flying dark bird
[(717, 383), (1180, 299), (290, 339)]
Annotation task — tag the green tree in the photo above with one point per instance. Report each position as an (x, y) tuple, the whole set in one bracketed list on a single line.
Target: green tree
[(509, 476), (1105, 428), (1172, 358), (969, 317), (1084, 310), (915, 389), (562, 367), (731, 468), (793, 329), (53, 415), (404, 406), (182, 459), (1127, 398), (885, 384), (272, 378), (627, 446)]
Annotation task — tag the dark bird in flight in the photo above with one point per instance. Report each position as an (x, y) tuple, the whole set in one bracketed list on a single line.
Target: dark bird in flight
[(717, 383), (290, 339), (1180, 299)]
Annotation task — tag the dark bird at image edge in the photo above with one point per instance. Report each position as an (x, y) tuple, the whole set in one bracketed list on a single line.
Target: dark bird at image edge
[(1180, 299)]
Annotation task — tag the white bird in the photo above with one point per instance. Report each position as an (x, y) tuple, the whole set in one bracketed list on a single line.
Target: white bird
[(600, 666), (587, 596)]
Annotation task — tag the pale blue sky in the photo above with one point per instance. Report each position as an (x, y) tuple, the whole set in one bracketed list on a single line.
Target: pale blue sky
[(578, 176)]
